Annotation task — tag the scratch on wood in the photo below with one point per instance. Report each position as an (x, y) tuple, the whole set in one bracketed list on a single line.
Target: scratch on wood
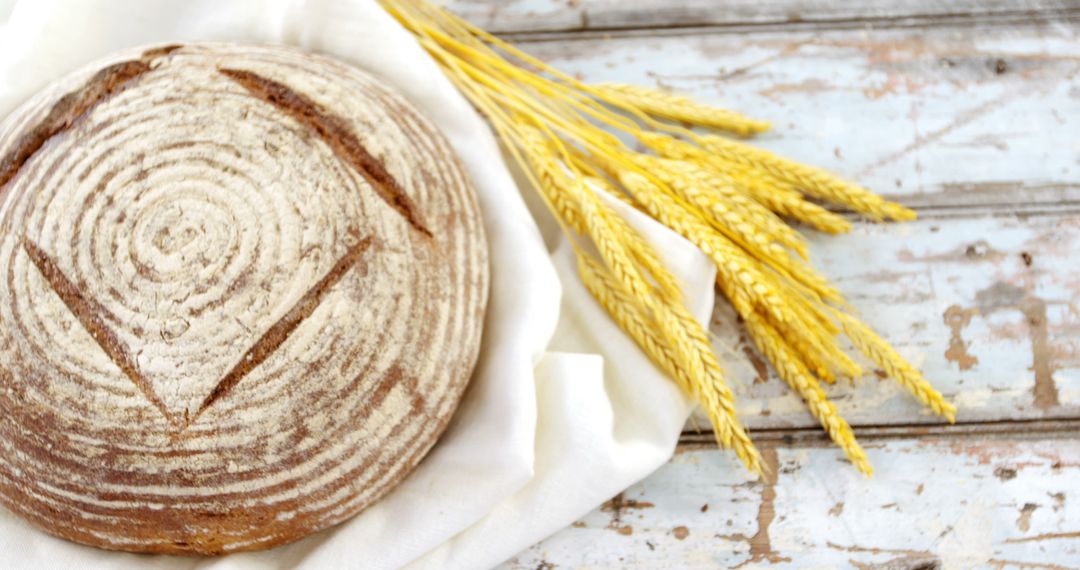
[(1042, 537), (760, 544), (977, 251), (1003, 296), (957, 318), (787, 50), (894, 82), (617, 506), (962, 119), (999, 564), (987, 452), (872, 550), (1005, 473), (910, 562), (1023, 522), (778, 91)]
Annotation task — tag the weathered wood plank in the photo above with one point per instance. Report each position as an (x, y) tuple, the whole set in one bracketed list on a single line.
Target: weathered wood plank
[(1007, 502), (956, 123), (515, 16), (987, 307), (975, 130), (932, 118), (939, 117)]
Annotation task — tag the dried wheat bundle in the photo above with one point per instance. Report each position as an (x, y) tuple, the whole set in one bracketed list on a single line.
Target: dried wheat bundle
[(730, 199)]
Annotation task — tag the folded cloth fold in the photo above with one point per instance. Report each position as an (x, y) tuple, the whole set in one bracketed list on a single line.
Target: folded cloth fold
[(563, 410)]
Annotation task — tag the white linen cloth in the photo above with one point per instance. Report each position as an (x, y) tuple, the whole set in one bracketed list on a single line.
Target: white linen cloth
[(563, 411)]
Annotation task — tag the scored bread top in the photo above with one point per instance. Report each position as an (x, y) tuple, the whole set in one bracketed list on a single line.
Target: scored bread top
[(243, 290)]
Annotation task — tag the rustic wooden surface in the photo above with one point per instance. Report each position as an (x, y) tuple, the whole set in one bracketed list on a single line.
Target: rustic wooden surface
[(968, 111), (960, 501), (538, 16)]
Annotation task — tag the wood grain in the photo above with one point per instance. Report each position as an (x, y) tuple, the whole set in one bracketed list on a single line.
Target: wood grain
[(1007, 501), (974, 132), (939, 118), (535, 16), (966, 111), (986, 306)]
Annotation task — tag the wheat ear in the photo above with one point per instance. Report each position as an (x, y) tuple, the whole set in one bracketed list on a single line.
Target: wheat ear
[(795, 373), (677, 108)]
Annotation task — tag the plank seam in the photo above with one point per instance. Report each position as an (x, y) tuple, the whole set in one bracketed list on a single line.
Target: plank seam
[(947, 20), (1065, 428)]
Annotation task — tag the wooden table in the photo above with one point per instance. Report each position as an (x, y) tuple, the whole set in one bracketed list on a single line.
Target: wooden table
[(968, 111)]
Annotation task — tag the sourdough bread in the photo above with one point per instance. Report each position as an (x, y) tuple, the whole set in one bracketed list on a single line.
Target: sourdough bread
[(243, 290)]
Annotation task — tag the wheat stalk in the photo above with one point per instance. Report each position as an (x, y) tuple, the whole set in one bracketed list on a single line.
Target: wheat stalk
[(794, 372), (726, 197), (813, 181), (677, 108), (733, 264), (615, 300), (717, 194), (885, 356), (776, 195)]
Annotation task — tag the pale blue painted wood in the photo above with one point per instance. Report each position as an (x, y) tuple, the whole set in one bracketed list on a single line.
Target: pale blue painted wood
[(1005, 503)]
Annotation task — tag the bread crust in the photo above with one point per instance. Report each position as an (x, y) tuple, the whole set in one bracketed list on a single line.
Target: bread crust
[(242, 291)]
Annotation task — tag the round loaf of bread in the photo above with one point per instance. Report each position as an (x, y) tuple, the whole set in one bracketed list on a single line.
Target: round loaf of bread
[(242, 293)]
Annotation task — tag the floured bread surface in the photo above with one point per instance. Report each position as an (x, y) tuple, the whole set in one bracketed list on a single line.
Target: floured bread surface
[(242, 293)]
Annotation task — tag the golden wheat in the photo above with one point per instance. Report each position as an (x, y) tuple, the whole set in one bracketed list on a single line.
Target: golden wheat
[(733, 264), (615, 300), (794, 372), (778, 196), (677, 108), (894, 365), (710, 189), (813, 181), (613, 239), (722, 195), (553, 182), (738, 224), (792, 205)]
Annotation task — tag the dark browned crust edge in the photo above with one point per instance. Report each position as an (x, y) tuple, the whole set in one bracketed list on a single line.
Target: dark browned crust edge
[(334, 132), (76, 105), (88, 314), (280, 331)]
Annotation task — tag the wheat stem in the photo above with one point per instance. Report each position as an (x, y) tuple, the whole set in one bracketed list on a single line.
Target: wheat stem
[(794, 372), (724, 196), (677, 108)]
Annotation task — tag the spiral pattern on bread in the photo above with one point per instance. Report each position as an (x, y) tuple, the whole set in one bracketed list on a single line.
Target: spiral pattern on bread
[(242, 294)]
